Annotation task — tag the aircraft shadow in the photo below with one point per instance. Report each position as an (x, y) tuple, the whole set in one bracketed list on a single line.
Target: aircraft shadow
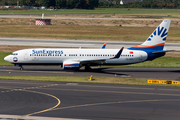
[(100, 70), (103, 71)]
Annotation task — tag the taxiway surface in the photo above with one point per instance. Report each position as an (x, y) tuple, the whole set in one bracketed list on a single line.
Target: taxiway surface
[(37, 100), (76, 43), (134, 72)]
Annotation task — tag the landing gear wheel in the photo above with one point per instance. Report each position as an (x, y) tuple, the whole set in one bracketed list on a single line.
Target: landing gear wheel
[(87, 68), (21, 68)]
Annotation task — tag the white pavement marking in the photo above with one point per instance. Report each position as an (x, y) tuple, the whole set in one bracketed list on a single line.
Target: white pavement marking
[(5, 117)]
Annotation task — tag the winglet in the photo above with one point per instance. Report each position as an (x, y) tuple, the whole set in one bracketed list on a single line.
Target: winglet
[(103, 47), (118, 54)]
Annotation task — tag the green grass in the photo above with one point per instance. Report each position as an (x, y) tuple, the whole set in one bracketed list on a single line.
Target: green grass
[(173, 12), (80, 79), (83, 32), (2, 55), (172, 62)]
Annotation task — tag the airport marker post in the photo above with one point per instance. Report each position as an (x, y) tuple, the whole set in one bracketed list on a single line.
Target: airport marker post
[(55, 19), (91, 78), (179, 20), (30, 19)]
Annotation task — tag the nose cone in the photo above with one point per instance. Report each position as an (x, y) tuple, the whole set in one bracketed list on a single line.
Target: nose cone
[(7, 58)]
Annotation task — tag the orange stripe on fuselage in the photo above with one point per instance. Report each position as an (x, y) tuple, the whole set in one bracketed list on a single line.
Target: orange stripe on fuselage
[(144, 46), (71, 64)]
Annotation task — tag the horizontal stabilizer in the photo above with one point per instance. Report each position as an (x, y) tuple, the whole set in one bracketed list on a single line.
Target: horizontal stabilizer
[(164, 51)]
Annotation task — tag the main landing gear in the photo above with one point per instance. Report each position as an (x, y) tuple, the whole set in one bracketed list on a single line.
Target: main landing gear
[(87, 68)]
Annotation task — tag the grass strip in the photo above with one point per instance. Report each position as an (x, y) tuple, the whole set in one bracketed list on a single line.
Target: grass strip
[(2, 61), (158, 12), (79, 30), (162, 62), (81, 79)]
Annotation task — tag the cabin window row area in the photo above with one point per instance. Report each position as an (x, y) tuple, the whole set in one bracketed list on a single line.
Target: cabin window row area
[(127, 55), (45, 54), (72, 55), (14, 54), (99, 55), (96, 55)]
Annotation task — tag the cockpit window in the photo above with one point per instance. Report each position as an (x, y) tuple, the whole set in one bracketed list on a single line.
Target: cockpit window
[(14, 54)]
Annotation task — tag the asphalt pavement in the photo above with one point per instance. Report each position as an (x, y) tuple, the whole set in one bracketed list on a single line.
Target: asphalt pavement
[(130, 72), (72, 101)]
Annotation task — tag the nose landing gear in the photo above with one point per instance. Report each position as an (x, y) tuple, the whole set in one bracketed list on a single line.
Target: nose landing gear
[(21, 67)]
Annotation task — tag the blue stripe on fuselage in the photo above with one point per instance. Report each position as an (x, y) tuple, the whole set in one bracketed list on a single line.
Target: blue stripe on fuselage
[(149, 51)]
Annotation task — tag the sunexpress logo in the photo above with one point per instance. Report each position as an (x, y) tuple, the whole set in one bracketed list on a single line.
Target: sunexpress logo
[(47, 51), (159, 32)]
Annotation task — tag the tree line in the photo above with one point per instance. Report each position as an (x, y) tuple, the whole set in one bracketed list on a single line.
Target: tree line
[(142, 4), (69, 4), (91, 4)]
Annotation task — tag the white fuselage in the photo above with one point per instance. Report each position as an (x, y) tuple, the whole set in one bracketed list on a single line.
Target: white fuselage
[(59, 56)]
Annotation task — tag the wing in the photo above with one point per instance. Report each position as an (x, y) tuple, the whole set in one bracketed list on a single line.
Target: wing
[(86, 61)]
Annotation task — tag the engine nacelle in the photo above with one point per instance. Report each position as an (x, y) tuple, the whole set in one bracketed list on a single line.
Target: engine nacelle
[(71, 65)]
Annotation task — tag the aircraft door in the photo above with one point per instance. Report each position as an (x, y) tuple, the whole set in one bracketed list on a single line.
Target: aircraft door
[(140, 56), (25, 56), (35, 58)]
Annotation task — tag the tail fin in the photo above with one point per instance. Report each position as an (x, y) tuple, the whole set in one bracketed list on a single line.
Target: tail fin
[(156, 40), (104, 46)]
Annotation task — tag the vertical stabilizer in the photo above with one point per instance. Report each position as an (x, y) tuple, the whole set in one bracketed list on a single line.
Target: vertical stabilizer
[(156, 40)]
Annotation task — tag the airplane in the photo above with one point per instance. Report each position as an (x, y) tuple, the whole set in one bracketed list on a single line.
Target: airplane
[(104, 45), (151, 49)]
